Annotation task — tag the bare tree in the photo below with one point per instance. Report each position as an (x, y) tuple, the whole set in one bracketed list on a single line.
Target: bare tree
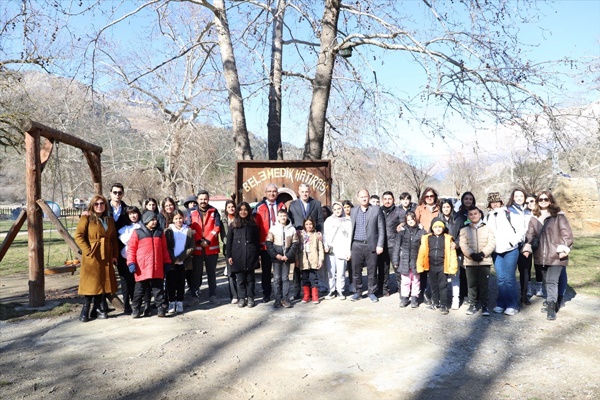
[(416, 173)]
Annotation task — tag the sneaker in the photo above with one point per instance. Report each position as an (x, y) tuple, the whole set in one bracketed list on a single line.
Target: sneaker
[(431, 307), (373, 298), (540, 291), (444, 310), (213, 299), (351, 288), (135, 313), (342, 297), (511, 311), (330, 296), (242, 303), (286, 304), (472, 309), (171, 309), (277, 304), (179, 307), (498, 310), (251, 302), (485, 312), (234, 301), (455, 304), (355, 297), (414, 302), (427, 299)]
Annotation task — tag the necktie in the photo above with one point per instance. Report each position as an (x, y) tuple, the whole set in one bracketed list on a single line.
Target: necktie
[(272, 213)]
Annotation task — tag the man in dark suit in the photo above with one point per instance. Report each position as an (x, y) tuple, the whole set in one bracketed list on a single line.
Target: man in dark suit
[(300, 209), (368, 239)]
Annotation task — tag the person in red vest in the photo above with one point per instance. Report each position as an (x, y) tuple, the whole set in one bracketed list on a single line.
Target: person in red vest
[(265, 214), (206, 223)]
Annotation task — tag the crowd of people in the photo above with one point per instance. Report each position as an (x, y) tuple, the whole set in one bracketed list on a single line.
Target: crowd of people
[(441, 253)]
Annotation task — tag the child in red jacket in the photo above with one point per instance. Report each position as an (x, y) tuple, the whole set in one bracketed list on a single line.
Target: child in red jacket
[(148, 259)]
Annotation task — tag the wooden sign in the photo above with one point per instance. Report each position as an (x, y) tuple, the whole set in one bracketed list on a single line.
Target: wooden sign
[(252, 178)]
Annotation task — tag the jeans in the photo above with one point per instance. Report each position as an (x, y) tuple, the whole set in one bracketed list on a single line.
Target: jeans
[(310, 278), (281, 280), (506, 269), (335, 272), (524, 265), (552, 274), (477, 279)]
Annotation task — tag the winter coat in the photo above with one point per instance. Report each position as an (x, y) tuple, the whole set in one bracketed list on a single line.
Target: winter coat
[(406, 251), (556, 238), (243, 246), (225, 226), (393, 217), (337, 236), (519, 217), (450, 259), (98, 249), (188, 248), (298, 214), (425, 215), (475, 240), (148, 251), (124, 236), (282, 240), (312, 251), (506, 235)]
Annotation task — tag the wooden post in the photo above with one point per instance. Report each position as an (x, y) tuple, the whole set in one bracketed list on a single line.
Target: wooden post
[(35, 222), (93, 160), (60, 228), (12, 233)]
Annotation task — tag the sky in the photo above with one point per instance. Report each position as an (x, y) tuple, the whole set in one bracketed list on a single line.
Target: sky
[(567, 28)]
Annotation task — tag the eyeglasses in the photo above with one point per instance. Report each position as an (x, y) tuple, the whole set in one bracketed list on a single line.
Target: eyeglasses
[(532, 201), (544, 199), (99, 203), (429, 196), (118, 192)]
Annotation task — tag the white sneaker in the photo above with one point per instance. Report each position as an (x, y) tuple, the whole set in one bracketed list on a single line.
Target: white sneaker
[(213, 299), (179, 306), (511, 311), (330, 296), (455, 304), (234, 301), (498, 310), (342, 297), (171, 309)]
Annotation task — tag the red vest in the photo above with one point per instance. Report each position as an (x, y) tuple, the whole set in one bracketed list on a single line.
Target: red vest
[(262, 216), (206, 228)]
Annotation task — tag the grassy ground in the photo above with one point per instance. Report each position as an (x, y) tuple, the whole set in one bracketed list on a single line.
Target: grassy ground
[(69, 222), (16, 259), (584, 266), (14, 312)]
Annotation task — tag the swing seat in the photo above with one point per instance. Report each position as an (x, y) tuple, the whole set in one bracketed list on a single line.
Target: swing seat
[(62, 269)]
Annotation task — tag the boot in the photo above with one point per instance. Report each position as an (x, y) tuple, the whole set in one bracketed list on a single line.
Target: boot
[(414, 302), (559, 303), (403, 301), (551, 311), (306, 294), (315, 295), (85, 310), (95, 307), (102, 307), (127, 305)]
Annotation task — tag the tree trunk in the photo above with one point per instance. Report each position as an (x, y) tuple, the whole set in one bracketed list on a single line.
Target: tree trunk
[(315, 133), (230, 72), (274, 122)]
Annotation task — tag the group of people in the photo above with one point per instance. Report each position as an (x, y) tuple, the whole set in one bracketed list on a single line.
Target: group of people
[(439, 254)]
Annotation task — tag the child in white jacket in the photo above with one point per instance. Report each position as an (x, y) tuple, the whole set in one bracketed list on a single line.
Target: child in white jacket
[(337, 234), (282, 244)]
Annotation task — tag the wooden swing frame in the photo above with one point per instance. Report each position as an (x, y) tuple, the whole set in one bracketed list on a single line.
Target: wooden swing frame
[(36, 157)]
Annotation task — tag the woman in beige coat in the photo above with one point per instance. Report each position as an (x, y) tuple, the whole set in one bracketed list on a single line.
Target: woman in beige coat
[(96, 236)]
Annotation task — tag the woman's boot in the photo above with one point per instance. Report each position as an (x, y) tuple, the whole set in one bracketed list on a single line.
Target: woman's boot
[(551, 311), (85, 310)]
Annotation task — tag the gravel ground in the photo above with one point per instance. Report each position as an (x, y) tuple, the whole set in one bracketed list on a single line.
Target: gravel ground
[(334, 350)]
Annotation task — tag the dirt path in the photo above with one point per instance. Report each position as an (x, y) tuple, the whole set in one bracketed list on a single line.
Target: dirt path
[(334, 350)]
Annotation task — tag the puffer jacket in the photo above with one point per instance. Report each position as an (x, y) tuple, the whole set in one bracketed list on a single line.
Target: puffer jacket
[(282, 240), (406, 251), (312, 251), (475, 240), (148, 250), (450, 259), (337, 235), (556, 238), (506, 235)]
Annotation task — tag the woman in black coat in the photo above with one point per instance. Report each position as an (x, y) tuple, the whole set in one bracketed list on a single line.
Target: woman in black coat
[(243, 247)]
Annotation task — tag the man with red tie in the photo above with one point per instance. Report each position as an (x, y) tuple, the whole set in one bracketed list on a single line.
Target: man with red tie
[(265, 214)]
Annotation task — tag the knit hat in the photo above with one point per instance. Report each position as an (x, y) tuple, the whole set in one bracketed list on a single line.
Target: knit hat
[(190, 199), (494, 197), (148, 216), (438, 223)]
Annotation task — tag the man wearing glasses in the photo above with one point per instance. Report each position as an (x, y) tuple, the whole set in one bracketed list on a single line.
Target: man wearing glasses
[(117, 211)]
